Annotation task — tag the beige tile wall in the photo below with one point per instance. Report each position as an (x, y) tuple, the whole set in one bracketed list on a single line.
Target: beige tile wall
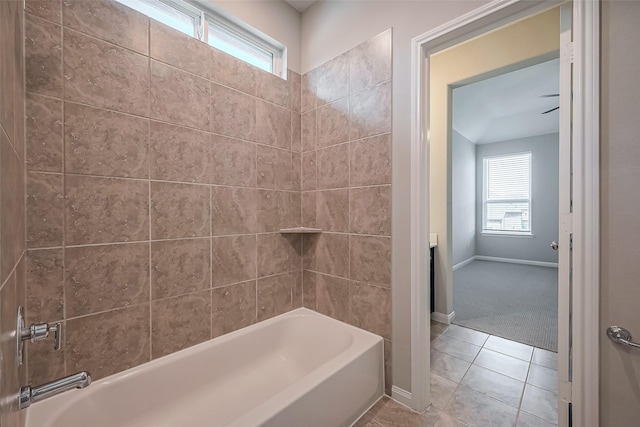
[(346, 188), (12, 208), (159, 173)]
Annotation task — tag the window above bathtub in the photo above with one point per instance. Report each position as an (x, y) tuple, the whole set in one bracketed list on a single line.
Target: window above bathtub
[(203, 20)]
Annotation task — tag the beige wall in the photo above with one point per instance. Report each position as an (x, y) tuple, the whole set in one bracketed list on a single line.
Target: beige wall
[(620, 205), (525, 43)]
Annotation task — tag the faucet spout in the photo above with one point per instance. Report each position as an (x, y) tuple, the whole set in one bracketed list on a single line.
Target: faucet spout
[(29, 395)]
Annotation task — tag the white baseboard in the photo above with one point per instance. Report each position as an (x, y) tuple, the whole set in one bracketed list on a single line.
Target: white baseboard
[(463, 263), (443, 318), (401, 395), (517, 261)]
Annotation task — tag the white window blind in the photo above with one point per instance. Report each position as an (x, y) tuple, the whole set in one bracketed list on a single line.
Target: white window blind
[(507, 194)]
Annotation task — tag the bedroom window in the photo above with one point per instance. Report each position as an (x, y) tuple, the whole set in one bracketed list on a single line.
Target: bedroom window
[(506, 194)]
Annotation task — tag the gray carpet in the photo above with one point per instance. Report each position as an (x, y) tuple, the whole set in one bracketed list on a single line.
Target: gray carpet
[(513, 301)]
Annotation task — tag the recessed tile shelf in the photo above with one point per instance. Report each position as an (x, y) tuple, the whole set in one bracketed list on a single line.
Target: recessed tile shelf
[(300, 230)]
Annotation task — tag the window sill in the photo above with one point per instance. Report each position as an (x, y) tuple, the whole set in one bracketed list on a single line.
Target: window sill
[(507, 234)]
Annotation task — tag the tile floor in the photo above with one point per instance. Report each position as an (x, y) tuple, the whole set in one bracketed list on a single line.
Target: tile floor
[(479, 380)]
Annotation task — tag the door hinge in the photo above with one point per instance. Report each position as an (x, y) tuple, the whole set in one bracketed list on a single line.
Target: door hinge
[(566, 52), (565, 391), (566, 223)]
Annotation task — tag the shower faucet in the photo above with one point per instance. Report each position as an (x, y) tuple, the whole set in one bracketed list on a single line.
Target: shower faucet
[(36, 332)]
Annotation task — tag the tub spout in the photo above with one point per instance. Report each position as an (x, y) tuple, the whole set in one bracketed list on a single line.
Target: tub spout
[(29, 395)]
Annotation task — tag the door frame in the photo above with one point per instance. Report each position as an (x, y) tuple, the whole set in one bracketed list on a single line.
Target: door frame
[(586, 202)]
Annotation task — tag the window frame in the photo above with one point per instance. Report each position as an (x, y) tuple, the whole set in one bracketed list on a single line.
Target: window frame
[(485, 201)]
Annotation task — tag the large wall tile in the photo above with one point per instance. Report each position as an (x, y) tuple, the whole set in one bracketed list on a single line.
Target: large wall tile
[(332, 254), (233, 259), (371, 161), (110, 342), (274, 210), (273, 89), (332, 210), (233, 113), (179, 210), (102, 142), (370, 308), (101, 278), (233, 210), (45, 289), (275, 295), (370, 62), (275, 254), (296, 172), (309, 130), (309, 209), (309, 99), (274, 168), (309, 279), (47, 9), (232, 307), (233, 162), (332, 295), (179, 267), (273, 125), (103, 75), (179, 153), (333, 123), (370, 111), (333, 167), (333, 79), (180, 322), (295, 91), (45, 363), (45, 204), (309, 170), (105, 210), (370, 259), (43, 56), (178, 49), (44, 133), (371, 210), (232, 72), (179, 97), (296, 132), (110, 21)]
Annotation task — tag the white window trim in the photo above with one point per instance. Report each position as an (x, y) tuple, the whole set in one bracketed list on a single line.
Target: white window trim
[(506, 233)]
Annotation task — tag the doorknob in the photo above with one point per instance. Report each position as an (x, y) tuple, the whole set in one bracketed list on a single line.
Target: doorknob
[(554, 245), (620, 335)]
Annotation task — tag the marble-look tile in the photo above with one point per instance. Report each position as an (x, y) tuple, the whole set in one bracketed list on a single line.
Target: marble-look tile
[(503, 364), (389, 413), (8, 364), (309, 99), (180, 322), (309, 170), (333, 167), (178, 49), (541, 403), (438, 418), (103, 75), (44, 133), (12, 201), (296, 132), (43, 56), (370, 308), (370, 62), (370, 111), (545, 358), (233, 307), (233, 113), (475, 408), (101, 142), (527, 420), (179, 210), (309, 130), (309, 249), (105, 277), (178, 153), (274, 210), (273, 125), (233, 162), (370, 210), (510, 348), (388, 366), (275, 254), (371, 161), (45, 364), (465, 334), (110, 342), (438, 328), (179, 97), (309, 294), (448, 367), (45, 204), (370, 260), (332, 254), (333, 123), (273, 89), (8, 68), (50, 10), (233, 259), (105, 210), (179, 267), (274, 295), (233, 210), (295, 179), (441, 390), (332, 297), (295, 91), (332, 210), (274, 168), (309, 209), (366, 421), (542, 377), (110, 21), (505, 389), (456, 348), (297, 293), (333, 79), (232, 72), (45, 289)]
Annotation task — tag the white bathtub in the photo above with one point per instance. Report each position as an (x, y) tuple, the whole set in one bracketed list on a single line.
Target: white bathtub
[(300, 369)]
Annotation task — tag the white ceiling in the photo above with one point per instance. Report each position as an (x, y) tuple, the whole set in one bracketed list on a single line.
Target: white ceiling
[(508, 106), (300, 5)]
